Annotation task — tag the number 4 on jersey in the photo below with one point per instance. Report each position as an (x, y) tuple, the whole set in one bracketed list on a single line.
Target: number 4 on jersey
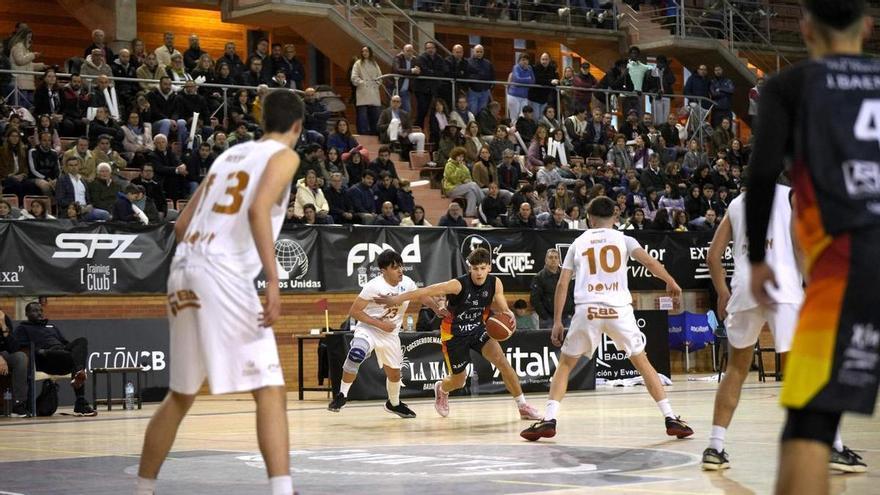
[(867, 126)]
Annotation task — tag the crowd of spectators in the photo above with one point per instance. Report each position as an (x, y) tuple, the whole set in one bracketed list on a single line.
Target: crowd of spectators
[(527, 161)]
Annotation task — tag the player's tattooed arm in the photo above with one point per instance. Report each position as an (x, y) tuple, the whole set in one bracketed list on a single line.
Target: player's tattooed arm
[(449, 287)]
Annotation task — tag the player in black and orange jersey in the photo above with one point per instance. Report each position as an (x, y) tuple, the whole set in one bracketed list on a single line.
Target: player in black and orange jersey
[(469, 299), (824, 116)]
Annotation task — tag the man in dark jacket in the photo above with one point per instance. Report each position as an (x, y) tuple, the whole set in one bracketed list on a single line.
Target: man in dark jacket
[(456, 68), (316, 114), (545, 75), (557, 220), (13, 363), (54, 354), (189, 102), (363, 199), (230, 58), (479, 67), (544, 291), (125, 90), (721, 90), (383, 163), (71, 188), (293, 68), (698, 85), (192, 54), (652, 176), (163, 106), (152, 188), (404, 64), (169, 168), (338, 201), (492, 207), (74, 102), (453, 217), (122, 208), (523, 218), (429, 64)]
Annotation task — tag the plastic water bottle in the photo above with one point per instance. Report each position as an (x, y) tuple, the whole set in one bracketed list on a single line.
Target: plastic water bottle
[(7, 402), (409, 323), (129, 397), (475, 383)]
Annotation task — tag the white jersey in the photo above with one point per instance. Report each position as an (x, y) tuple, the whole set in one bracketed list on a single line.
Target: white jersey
[(220, 230), (598, 258), (780, 254), (379, 287)]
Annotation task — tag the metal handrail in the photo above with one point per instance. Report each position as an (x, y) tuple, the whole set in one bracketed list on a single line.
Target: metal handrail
[(414, 24), (348, 11), (515, 14), (734, 14)]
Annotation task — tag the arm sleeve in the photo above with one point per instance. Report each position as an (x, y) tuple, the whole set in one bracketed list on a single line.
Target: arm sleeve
[(568, 262), (771, 139), (631, 245)]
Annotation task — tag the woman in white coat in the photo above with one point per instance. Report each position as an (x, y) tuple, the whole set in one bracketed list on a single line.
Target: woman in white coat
[(308, 192), (365, 76), (22, 58)]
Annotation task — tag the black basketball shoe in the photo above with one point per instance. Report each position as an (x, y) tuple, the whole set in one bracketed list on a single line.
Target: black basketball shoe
[(337, 403), (541, 429), (400, 409), (676, 427)]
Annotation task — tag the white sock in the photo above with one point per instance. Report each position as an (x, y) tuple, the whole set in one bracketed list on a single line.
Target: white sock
[(838, 440), (281, 485), (343, 387), (145, 486), (716, 437), (552, 409), (393, 389), (665, 408), (520, 400)]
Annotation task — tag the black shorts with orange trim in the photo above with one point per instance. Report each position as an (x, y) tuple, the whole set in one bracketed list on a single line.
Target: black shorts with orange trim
[(834, 363), (457, 350)]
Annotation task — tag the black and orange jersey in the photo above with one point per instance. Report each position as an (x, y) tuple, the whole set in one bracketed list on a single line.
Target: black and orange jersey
[(822, 117), (469, 309)]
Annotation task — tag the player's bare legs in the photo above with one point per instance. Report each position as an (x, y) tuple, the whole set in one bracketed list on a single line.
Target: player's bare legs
[(160, 434), (272, 431), (803, 468), (727, 396), (493, 353), (392, 384), (674, 426), (559, 382)]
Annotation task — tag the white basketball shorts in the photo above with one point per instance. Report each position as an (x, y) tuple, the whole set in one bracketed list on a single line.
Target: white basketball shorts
[(216, 333), (590, 321), (744, 327), (385, 345)]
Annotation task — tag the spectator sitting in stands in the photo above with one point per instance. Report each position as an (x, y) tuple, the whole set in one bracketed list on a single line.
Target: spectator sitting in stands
[(385, 190), (523, 217), (508, 172), (355, 165), (417, 219), (406, 203), (138, 52), (98, 37), (561, 197), (451, 138), (87, 160), (694, 158), (363, 200), (71, 188), (13, 164), (439, 120), (124, 209), (492, 207), (192, 54), (43, 165), (557, 220), (54, 354), (13, 362), (308, 192), (165, 52), (45, 124), (338, 203), (460, 114), (125, 90), (525, 319), (177, 72), (102, 190), (457, 182), (526, 125), (618, 154), (164, 107), (47, 98), (198, 165), (310, 216), (679, 221), (169, 168), (548, 119), (341, 137), (395, 126), (241, 135), (500, 143), (387, 217), (74, 105), (537, 149), (152, 188), (722, 135), (708, 223), (138, 138), (316, 113), (383, 163), (453, 217), (230, 58), (103, 125), (489, 119), (310, 162), (36, 211), (254, 75), (151, 69), (550, 176), (95, 65), (473, 143)]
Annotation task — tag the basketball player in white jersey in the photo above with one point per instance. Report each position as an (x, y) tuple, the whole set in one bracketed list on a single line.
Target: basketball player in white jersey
[(603, 304), (744, 318), (219, 330), (378, 330)]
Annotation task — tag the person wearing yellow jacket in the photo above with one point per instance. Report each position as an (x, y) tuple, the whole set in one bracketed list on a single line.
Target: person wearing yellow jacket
[(457, 182)]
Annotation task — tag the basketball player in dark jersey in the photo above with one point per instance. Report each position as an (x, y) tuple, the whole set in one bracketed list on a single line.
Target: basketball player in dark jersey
[(468, 302), (823, 115)]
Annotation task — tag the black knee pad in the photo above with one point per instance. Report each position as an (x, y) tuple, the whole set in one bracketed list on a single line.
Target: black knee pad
[(803, 424)]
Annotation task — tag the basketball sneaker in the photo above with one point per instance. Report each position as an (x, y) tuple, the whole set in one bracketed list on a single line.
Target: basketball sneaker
[(528, 411), (714, 460), (847, 461), (441, 400), (337, 403), (541, 429), (82, 408), (400, 409), (676, 427)]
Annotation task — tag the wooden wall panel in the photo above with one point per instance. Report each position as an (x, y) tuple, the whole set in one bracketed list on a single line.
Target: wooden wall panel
[(154, 20), (57, 35)]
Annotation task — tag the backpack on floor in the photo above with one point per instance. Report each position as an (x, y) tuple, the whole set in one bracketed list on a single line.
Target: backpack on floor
[(47, 401)]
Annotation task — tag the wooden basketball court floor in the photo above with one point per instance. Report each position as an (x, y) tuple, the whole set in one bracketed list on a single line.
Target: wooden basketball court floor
[(609, 441)]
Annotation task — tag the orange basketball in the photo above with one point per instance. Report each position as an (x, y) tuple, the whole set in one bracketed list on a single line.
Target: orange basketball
[(500, 326)]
